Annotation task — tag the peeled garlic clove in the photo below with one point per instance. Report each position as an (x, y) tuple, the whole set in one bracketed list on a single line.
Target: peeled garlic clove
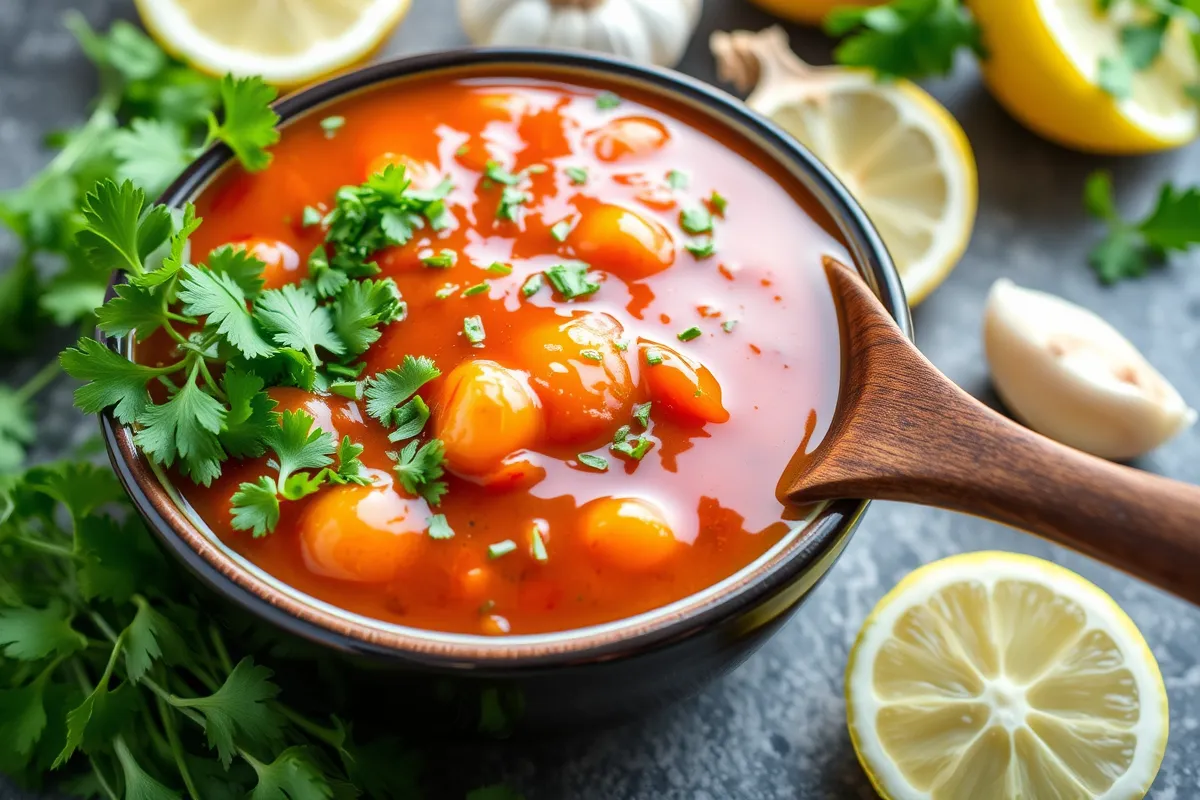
[(1069, 375)]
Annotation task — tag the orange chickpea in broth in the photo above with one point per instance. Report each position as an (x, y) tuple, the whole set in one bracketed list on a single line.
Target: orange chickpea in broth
[(629, 326)]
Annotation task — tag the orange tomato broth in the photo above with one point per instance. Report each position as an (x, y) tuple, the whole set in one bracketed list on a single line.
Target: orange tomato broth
[(699, 506)]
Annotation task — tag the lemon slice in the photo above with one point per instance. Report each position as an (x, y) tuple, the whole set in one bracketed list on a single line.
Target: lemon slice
[(287, 42), (992, 676), (1043, 65), (900, 153)]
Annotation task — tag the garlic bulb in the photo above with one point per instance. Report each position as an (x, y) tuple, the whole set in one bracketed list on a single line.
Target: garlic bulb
[(1070, 375), (655, 31)]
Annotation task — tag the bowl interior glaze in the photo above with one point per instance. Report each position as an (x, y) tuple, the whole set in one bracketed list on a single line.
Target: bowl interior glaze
[(793, 564)]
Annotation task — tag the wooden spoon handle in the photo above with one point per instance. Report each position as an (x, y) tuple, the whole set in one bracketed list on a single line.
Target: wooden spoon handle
[(906, 432)]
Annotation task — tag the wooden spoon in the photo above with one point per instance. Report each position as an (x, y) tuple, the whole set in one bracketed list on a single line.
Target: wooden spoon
[(904, 431)]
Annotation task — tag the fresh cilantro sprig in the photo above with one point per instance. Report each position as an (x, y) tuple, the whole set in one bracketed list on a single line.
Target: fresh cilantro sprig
[(904, 38), (1131, 249)]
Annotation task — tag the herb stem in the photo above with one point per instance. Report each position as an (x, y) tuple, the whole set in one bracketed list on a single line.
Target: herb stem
[(210, 380), (167, 716), (100, 779), (329, 736), (219, 645), (40, 380), (46, 547), (181, 318)]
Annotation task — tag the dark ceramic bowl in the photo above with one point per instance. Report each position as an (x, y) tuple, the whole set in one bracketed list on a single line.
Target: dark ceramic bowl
[(576, 677)]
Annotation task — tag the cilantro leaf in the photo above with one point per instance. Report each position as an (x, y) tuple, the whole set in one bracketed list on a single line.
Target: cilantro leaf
[(19, 315), (1131, 249), (119, 231), (294, 319), (439, 528), (185, 428), (571, 279), (218, 297), (349, 467), (31, 634), (151, 153), (904, 38), (80, 486), (255, 506), (409, 419), (22, 716), (112, 380), (135, 309), (388, 389), (360, 308), (240, 266), (293, 774), (239, 711), (249, 416), (184, 225), (115, 560), (138, 783), (298, 444), (249, 121), (419, 467), (143, 641)]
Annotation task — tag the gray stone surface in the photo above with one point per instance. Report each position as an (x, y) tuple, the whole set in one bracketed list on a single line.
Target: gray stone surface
[(775, 728)]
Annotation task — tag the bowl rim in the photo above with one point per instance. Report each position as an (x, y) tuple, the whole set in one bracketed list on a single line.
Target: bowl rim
[(783, 566)]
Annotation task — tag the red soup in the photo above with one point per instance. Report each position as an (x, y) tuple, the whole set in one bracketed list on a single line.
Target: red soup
[(630, 332)]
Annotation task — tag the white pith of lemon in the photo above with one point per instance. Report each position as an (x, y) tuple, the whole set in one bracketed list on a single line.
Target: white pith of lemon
[(899, 152), (993, 675), (1043, 65), (287, 42)]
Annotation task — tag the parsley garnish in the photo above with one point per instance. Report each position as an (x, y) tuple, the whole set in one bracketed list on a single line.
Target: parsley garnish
[(728, 325), (677, 179), (591, 461), (439, 528), (446, 290), (701, 247), (389, 389), (512, 197), (578, 175), (497, 268), (607, 100), (499, 549), (478, 288), (718, 203), (653, 357), (641, 412), (591, 355), (904, 38), (696, 220), (634, 447), (310, 216), (689, 334), (419, 466), (571, 280), (532, 285), (561, 229), (444, 259), (331, 125), (1130, 249), (473, 330)]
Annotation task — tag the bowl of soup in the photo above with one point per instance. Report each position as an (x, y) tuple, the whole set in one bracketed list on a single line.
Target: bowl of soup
[(607, 347)]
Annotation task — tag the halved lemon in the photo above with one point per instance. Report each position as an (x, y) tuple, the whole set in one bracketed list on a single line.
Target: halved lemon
[(1043, 65), (899, 152), (287, 42), (992, 676)]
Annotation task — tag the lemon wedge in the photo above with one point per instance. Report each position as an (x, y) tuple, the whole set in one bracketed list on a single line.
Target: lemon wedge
[(992, 676), (896, 149), (287, 42), (1043, 65)]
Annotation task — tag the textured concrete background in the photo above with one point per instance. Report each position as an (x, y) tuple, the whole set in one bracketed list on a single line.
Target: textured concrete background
[(776, 727)]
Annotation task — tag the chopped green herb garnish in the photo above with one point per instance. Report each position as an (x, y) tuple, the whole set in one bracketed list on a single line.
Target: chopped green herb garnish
[(728, 325), (598, 463), (620, 345), (561, 229), (691, 333), (462, 150), (653, 357), (387, 390), (346, 370), (578, 175), (439, 528), (537, 545), (641, 412), (607, 100), (501, 548), (621, 434), (511, 201), (310, 216), (696, 220), (512, 198), (351, 390), (591, 355), (331, 125), (419, 466), (677, 179), (634, 448), (409, 419), (718, 203), (903, 38), (478, 288), (473, 329), (446, 290), (532, 285), (701, 247), (1130, 248), (571, 279), (497, 268), (444, 259)]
